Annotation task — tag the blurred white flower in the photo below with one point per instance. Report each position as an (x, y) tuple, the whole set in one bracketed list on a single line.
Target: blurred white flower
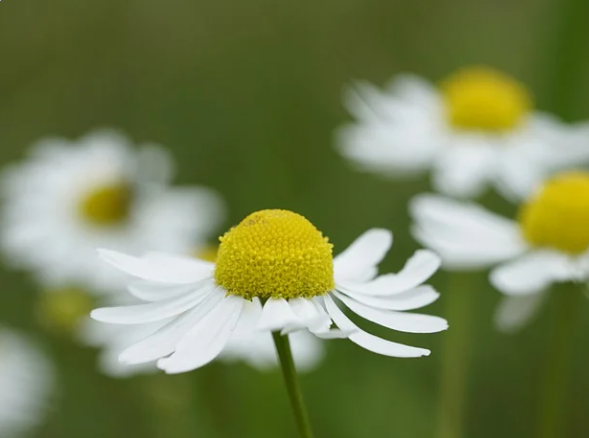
[(549, 243), (26, 380), (70, 197), (478, 129), (274, 272)]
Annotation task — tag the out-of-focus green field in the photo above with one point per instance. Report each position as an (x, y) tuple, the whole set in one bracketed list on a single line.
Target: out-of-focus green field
[(247, 95)]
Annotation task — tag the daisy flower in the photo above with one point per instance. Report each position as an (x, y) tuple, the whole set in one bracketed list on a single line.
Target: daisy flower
[(276, 269), (547, 244), (68, 198), (477, 129), (26, 380)]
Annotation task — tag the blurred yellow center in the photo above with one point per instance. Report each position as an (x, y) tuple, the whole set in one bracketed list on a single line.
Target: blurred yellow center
[(61, 310), (106, 206), (558, 216), (275, 253), (482, 99)]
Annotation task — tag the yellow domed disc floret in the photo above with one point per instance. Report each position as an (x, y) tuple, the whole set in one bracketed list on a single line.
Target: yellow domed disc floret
[(558, 216), (482, 99), (107, 205), (275, 254)]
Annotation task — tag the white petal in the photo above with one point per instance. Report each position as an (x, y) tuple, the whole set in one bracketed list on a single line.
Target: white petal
[(419, 268), (155, 311), (516, 311), (153, 269), (363, 255), (150, 291), (464, 234), (207, 339), (277, 315), (163, 342), (464, 170), (310, 315), (413, 299), (405, 322), (368, 341), (532, 273)]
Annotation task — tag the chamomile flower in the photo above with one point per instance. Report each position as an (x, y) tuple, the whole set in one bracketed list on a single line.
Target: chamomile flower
[(26, 380), (547, 244), (277, 265), (65, 311), (70, 197), (477, 129)]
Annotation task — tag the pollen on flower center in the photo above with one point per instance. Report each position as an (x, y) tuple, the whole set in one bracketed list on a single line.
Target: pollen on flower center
[(107, 205), (483, 99), (275, 253), (558, 216)]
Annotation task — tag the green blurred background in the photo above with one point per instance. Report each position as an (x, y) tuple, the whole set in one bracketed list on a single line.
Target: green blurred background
[(247, 94)]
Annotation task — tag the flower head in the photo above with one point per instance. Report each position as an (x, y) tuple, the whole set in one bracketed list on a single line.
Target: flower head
[(26, 379), (205, 306), (548, 243), (70, 197), (478, 129)]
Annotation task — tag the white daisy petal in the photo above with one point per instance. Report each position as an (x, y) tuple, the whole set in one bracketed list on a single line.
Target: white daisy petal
[(464, 234), (151, 292), (413, 299), (532, 273), (368, 341), (514, 312), (163, 342), (363, 255), (207, 339), (153, 270), (277, 314), (155, 311), (419, 268), (405, 322)]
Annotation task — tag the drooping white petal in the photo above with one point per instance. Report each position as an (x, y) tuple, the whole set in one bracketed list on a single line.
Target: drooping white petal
[(418, 269), (155, 311), (155, 270), (368, 341), (532, 272), (207, 339), (413, 299), (151, 292), (513, 312), (359, 260), (405, 322), (163, 342), (277, 314), (309, 314), (465, 235)]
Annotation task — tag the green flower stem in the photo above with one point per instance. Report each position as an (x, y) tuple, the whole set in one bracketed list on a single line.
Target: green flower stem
[(459, 300), (558, 361), (292, 385)]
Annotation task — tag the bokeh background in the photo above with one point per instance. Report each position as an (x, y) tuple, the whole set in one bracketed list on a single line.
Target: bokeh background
[(247, 94)]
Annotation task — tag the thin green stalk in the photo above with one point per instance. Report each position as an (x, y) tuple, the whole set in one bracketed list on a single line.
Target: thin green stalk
[(558, 362), (292, 385), (455, 354)]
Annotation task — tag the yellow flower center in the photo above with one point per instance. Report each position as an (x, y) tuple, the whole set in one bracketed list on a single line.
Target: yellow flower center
[(275, 253), (558, 216), (62, 310), (482, 99), (107, 206)]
